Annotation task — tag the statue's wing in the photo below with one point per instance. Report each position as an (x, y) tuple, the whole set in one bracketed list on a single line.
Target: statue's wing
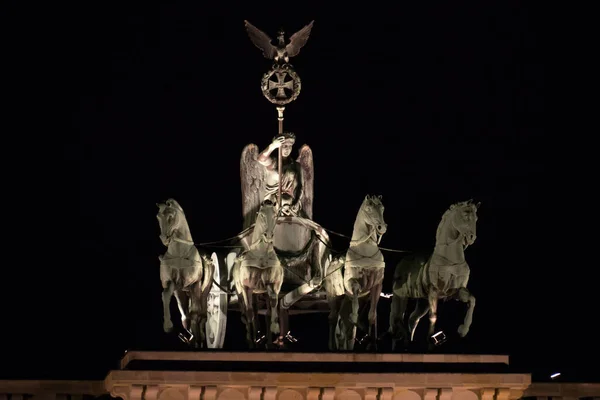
[(261, 40), (298, 40), (305, 159), (252, 178)]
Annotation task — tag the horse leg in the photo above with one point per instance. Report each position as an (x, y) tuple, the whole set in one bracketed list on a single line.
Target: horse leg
[(283, 315), (284, 325), (466, 297), (250, 317), (195, 300), (413, 320), (183, 303), (273, 295), (345, 328), (334, 288), (397, 327), (242, 303), (355, 291), (374, 300), (168, 289), (335, 303), (245, 304), (204, 313), (362, 323), (432, 298), (269, 343)]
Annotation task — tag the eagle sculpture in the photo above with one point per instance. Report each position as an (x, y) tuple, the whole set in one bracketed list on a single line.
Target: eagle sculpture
[(281, 53)]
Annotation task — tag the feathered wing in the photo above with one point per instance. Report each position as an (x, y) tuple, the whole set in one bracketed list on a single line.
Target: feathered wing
[(261, 40), (298, 40), (305, 159), (252, 180)]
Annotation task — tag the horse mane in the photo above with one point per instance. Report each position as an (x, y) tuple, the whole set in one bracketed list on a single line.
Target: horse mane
[(438, 232)]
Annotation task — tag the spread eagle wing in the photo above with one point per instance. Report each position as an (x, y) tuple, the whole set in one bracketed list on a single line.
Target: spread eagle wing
[(298, 40), (252, 176), (305, 159), (261, 40)]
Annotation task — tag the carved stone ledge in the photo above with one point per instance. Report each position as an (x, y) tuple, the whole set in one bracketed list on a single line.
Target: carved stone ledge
[(445, 394), (502, 394), (371, 393), (387, 393), (313, 393), (328, 393), (151, 392), (195, 393), (136, 392), (270, 393), (210, 393), (430, 394), (487, 393), (120, 391)]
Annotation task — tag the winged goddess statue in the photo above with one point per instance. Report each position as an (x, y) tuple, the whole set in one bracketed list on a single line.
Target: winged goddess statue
[(281, 52), (260, 178)]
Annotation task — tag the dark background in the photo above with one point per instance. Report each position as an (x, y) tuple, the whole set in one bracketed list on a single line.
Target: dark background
[(426, 106)]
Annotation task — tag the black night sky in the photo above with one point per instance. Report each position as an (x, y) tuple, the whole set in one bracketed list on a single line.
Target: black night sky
[(425, 105)]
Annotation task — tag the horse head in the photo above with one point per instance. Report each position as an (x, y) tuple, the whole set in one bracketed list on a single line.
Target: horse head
[(463, 217), (265, 222), (372, 211), (171, 219)]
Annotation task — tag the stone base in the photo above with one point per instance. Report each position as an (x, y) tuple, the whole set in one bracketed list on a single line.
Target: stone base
[(312, 376), (277, 357), (303, 376)]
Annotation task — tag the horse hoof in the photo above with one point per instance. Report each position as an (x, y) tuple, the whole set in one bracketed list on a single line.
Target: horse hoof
[(463, 330), (168, 327)]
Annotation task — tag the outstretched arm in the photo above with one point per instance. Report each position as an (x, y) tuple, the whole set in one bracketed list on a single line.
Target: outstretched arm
[(265, 156)]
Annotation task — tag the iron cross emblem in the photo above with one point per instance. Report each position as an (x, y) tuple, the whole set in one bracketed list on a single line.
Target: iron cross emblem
[(281, 85), (277, 80)]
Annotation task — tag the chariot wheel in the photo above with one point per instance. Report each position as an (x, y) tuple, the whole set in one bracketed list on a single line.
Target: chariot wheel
[(216, 322)]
